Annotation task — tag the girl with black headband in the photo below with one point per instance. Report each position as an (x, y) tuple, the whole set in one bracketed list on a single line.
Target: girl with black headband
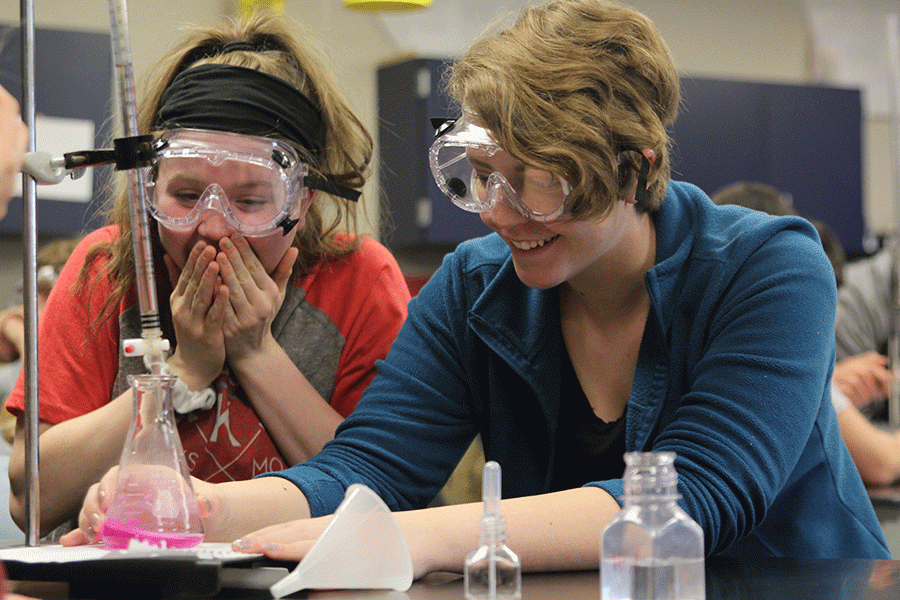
[(276, 310)]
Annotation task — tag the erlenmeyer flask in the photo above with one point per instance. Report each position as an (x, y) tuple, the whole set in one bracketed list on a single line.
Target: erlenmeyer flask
[(154, 500)]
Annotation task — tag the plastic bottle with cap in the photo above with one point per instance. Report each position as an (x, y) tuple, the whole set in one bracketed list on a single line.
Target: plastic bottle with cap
[(652, 550), (492, 571)]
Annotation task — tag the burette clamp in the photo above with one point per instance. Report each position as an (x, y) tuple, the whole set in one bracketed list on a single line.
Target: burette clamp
[(127, 153)]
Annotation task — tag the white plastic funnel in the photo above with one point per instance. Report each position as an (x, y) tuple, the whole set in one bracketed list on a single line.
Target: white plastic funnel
[(362, 548)]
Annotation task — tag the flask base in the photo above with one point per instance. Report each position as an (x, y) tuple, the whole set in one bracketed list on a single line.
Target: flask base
[(117, 535)]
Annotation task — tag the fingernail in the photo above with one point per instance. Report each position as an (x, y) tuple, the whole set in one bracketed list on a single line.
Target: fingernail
[(102, 495), (226, 243), (242, 544), (95, 521)]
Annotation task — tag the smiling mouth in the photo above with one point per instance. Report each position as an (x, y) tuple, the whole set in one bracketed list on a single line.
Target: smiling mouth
[(532, 244)]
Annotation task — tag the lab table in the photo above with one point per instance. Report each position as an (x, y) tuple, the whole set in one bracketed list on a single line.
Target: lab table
[(726, 579)]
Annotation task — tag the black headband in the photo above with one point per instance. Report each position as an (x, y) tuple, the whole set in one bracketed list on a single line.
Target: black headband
[(241, 100)]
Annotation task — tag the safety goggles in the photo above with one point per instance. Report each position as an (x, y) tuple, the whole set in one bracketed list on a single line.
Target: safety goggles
[(474, 172), (257, 183)]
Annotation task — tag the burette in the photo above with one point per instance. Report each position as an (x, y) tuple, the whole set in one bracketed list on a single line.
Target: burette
[(151, 345), (129, 154)]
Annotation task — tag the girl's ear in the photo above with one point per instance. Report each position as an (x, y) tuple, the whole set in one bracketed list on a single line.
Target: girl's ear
[(309, 198)]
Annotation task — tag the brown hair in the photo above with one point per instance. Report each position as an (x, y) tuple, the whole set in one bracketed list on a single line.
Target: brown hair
[(755, 195), (567, 88), (345, 158), (770, 200)]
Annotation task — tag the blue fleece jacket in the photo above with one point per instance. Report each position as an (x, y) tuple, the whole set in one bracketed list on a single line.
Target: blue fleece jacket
[(732, 375)]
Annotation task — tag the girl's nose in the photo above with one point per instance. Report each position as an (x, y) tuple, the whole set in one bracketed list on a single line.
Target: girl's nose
[(502, 214), (213, 225)]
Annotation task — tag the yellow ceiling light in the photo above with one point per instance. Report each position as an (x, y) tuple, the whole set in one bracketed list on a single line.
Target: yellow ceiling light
[(386, 4), (248, 7)]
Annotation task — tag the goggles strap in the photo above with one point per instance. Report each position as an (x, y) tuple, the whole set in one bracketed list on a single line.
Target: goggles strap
[(640, 193), (330, 187)]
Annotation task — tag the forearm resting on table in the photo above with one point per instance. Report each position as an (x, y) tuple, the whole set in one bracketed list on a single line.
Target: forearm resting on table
[(74, 455), (233, 509), (550, 532)]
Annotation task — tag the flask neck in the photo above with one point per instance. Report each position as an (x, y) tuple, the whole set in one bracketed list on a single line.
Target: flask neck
[(152, 400)]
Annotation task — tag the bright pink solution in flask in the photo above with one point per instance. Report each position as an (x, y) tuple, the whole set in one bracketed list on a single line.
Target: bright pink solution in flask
[(117, 535)]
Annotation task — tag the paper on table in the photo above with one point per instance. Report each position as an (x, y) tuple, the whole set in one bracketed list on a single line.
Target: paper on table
[(54, 553)]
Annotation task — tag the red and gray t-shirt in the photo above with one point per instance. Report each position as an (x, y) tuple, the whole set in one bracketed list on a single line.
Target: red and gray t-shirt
[(335, 322)]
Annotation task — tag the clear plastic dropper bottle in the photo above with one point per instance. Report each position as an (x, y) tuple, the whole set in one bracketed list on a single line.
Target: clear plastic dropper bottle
[(652, 550), (492, 571)]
